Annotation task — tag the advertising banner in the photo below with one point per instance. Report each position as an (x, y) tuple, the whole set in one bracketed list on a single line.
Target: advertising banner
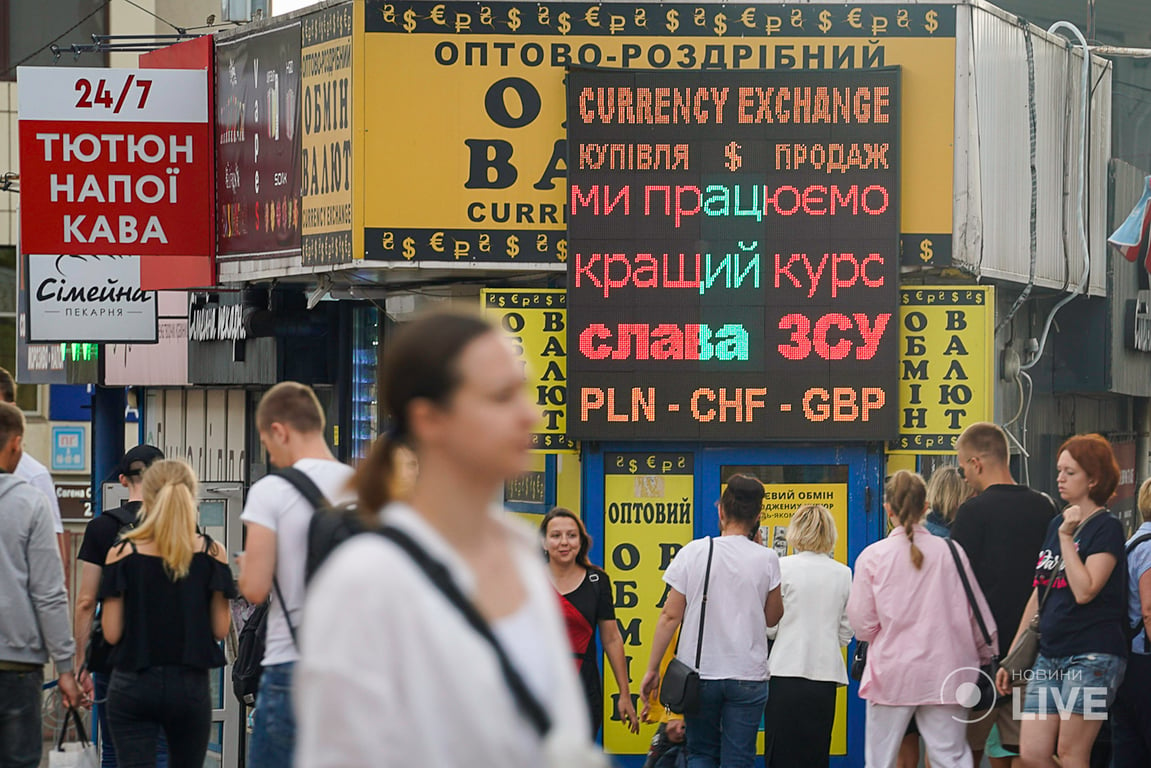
[(734, 254), (114, 161), (649, 505), (535, 321), (326, 104), (89, 299), (467, 115), (258, 147), (946, 365)]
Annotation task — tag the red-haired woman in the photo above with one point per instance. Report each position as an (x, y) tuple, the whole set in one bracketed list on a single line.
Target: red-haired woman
[(1083, 644), (586, 599)]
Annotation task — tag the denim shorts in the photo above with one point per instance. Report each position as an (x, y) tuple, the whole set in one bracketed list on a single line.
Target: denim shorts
[(1084, 684)]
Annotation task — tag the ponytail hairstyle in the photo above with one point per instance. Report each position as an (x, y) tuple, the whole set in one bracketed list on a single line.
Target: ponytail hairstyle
[(906, 495), (584, 536), (421, 362), (742, 500), (169, 515)]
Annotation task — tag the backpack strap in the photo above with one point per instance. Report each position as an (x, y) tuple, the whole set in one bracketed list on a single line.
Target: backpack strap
[(307, 488), (438, 574)]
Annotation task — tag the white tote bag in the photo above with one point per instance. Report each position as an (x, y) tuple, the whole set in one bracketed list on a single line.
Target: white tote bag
[(74, 754)]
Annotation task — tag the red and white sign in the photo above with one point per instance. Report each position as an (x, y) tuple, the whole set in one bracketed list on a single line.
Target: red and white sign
[(115, 161)]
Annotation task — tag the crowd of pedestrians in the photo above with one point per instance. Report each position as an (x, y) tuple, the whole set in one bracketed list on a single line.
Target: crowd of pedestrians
[(455, 637)]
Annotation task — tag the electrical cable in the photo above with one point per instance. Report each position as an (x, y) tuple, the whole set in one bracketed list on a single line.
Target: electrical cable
[(49, 44), (1081, 288), (1018, 412), (1034, 224)]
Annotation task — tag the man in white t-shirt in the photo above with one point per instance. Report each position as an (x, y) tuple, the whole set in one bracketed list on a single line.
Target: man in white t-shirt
[(35, 473), (291, 425)]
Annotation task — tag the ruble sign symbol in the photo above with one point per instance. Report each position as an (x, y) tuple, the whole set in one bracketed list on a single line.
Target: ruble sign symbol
[(734, 161)]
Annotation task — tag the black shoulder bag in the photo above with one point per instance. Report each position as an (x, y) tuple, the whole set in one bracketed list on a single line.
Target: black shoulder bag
[(679, 691), (438, 574), (988, 696)]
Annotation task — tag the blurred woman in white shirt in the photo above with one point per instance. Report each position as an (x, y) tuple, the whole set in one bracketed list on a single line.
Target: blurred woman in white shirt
[(806, 661)]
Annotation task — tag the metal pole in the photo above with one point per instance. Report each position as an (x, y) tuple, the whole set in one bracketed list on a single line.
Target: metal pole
[(108, 405)]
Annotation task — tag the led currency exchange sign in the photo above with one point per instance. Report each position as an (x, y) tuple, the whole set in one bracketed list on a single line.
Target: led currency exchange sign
[(734, 255)]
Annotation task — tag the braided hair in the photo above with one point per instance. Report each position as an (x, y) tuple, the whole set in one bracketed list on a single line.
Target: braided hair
[(906, 496)]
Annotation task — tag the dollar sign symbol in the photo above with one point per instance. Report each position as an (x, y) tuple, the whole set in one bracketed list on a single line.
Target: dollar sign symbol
[(672, 21), (409, 248), (562, 250), (825, 21), (564, 25), (409, 20), (932, 21), (720, 23), (514, 19), (926, 252), (734, 161), (513, 246)]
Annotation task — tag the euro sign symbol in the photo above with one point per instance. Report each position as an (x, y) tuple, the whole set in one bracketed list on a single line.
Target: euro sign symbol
[(514, 19), (720, 23), (926, 252), (672, 20), (932, 22), (734, 161), (565, 23), (513, 246), (437, 242), (825, 21), (748, 18), (409, 20), (409, 248)]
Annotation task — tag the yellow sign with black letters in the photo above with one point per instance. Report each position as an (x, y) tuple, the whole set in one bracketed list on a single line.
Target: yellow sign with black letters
[(648, 517), (946, 365), (535, 321), (466, 107)]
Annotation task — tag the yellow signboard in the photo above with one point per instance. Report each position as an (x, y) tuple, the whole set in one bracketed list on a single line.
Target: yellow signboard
[(535, 320), (648, 517), (947, 365), (466, 115), (780, 502), (330, 231)]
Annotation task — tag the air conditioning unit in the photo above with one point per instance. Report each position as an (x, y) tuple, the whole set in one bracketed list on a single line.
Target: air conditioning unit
[(245, 10)]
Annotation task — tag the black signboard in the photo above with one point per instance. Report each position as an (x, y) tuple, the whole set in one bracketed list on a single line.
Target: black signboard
[(734, 255), (258, 144)]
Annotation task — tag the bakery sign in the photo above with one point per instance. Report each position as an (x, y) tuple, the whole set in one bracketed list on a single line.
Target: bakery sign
[(89, 299)]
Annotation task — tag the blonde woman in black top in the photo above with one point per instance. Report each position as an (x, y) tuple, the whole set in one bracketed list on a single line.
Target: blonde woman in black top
[(165, 592)]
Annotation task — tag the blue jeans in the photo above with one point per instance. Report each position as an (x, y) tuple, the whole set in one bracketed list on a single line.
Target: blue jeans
[(20, 699), (724, 729), (1084, 684), (107, 748), (274, 722)]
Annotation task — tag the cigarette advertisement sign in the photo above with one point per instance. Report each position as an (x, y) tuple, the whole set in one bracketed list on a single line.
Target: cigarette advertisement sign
[(946, 365), (114, 161), (535, 322), (649, 511), (258, 149), (468, 119)]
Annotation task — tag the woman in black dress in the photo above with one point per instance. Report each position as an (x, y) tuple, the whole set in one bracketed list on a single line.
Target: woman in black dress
[(165, 592), (586, 600)]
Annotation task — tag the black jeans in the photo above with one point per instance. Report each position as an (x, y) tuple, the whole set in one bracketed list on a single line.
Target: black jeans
[(1131, 716), (178, 699), (20, 698), (797, 723)]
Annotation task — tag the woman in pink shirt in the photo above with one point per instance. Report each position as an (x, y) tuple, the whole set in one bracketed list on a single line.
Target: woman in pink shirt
[(908, 602)]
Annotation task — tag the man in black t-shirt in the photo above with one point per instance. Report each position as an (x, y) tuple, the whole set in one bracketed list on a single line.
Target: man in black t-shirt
[(99, 537), (1002, 529)]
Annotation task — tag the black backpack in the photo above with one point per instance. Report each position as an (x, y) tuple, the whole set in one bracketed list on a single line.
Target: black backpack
[(98, 656), (328, 528)]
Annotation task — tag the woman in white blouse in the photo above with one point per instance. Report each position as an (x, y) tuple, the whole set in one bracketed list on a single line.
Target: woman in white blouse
[(806, 659), (391, 673)]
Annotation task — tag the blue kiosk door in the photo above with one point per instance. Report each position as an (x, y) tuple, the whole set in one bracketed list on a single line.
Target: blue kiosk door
[(644, 502)]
